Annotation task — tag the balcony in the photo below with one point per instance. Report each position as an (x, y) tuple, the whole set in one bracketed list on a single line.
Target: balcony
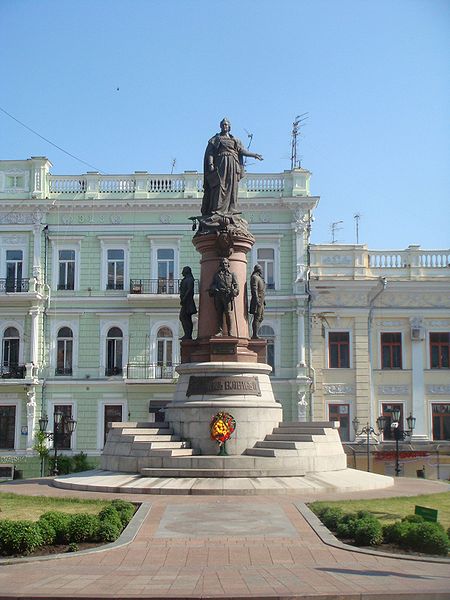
[(150, 371), (12, 371), (113, 371), (13, 286), (157, 286), (61, 371)]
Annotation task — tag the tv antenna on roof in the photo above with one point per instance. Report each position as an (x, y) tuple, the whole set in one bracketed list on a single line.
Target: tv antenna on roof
[(296, 125), (335, 227), (357, 217)]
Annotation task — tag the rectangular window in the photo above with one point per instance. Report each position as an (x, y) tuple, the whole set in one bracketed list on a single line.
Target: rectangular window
[(387, 409), (441, 421), (391, 350), (14, 268), (266, 259), (64, 356), (116, 267), (7, 427), (66, 279), (114, 356), (439, 350), (112, 414), (341, 413), (166, 268), (63, 439), (339, 349)]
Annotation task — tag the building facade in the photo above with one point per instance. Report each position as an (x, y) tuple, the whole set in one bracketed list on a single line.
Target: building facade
[(89, 272), (380, 333)]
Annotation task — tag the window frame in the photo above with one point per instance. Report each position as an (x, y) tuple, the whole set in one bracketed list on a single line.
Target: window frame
[(442, 414), (65, 243), (106, 323), (64, 400), (107, 243), (385, 412), (55, 328), (430, 348), (4, 402), (171, 242), (116, 369), (269, 242), (339, 404), (391, 346), (328, 348)]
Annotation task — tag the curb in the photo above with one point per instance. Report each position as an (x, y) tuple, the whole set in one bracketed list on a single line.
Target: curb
[(125, 538), (330, 540)]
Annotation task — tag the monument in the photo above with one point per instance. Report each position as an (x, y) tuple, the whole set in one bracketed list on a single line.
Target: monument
[(223, 394)]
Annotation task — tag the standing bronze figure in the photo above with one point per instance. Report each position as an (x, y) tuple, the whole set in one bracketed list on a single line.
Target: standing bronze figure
[(257, 301), (187, 302), (223, 169), (224, 288)]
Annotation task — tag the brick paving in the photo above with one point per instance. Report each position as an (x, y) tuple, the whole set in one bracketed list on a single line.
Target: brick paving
[(196, 563)]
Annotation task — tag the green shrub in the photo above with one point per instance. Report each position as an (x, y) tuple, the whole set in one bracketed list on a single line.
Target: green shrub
[(331, 517), (64, 464), (60, 523), (72, 547), (396, 533), (125, 509), (427, 537), (48, 532), (368, 531), (82, 528), (413, 519), (346, 527), (110, 526), (80, 463), (20, 537)]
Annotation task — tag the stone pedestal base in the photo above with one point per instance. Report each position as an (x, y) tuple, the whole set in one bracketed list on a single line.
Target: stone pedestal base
[(223, 349), (242, 389)]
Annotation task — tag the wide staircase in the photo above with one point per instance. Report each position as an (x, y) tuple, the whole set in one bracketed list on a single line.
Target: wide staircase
[(292, 449)]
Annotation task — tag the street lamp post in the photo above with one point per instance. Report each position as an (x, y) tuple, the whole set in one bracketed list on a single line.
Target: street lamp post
[(368, 431), (400, 434), (61, 425)]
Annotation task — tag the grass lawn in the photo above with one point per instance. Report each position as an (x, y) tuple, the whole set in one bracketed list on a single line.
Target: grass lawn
[(14, 506), (388, 510)]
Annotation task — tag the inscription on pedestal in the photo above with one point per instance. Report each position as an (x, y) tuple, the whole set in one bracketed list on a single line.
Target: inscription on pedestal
[(219, 385)]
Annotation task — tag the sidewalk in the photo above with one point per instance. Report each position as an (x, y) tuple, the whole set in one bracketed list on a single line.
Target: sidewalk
[(232, 547)]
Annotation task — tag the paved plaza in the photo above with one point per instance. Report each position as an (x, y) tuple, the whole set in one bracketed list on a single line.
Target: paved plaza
[(230, 547)]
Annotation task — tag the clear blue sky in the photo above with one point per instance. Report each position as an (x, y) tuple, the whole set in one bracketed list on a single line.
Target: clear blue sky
[(372, 74)]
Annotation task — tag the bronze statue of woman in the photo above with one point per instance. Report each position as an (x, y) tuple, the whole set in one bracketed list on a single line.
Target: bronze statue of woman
[(223, 169)]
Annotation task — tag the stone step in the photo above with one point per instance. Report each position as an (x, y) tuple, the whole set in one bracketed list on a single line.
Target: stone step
[(134, 424), (157, 438), (289, 437), (168, 445), (300, 430), (287, 445), (313, 424), (260, 452), (224, 473), (149, 431), (172, 452)]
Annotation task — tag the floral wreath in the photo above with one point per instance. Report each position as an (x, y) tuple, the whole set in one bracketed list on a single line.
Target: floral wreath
[(222, 426)]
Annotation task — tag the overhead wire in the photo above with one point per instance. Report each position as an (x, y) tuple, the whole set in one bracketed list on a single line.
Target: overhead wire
[(49, 141)]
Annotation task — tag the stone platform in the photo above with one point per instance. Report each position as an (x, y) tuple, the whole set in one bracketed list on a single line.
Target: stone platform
[(344, 480)]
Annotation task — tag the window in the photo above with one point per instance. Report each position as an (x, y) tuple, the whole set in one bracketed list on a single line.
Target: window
[(441, 421), (439, 350), (115, 269), (341, 412), (63, 439), (266, 332), (10, 355), (266, 259), (66, 276), (339, 349), (166, 268), (164, 350), (7, 427), (112, 414), (64, 351), (391, 350), (14, 270), (386, 411), (15, 182), (114, 351)]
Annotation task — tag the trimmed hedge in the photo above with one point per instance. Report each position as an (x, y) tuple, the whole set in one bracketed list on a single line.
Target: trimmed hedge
[(54, 527)]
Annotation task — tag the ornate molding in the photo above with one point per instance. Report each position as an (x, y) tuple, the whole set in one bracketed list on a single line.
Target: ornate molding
[(393, 390), (438, 389), (340, 259), (336, 389)]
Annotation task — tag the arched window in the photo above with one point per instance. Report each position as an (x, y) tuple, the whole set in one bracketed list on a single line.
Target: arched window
[(268, 333), (164, 351), (10, 355), (64, 351), (114, 351)]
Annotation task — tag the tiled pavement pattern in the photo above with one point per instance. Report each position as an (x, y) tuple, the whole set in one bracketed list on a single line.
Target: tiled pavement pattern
[(230, 547)]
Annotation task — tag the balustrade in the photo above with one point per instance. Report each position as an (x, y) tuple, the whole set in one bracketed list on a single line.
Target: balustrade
[(150, 371)]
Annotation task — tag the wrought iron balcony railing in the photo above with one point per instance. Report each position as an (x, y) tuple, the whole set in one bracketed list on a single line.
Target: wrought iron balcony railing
[(14, 285), (110, 371), (12, 371), (157, 286), (63, 371), (150, 371)]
